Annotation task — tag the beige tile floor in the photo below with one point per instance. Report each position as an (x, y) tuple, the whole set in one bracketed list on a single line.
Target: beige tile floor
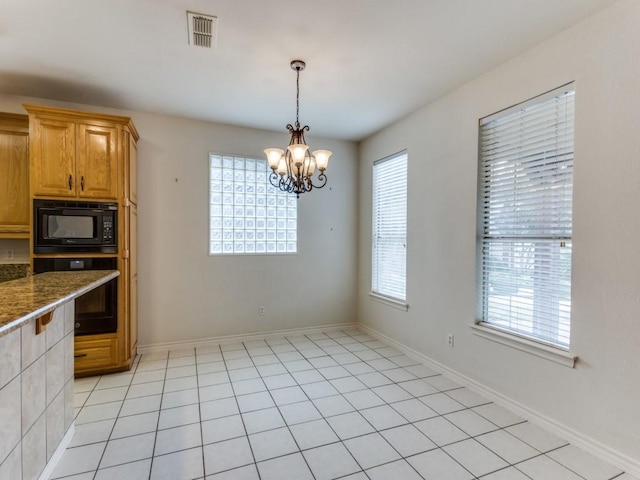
[(338, 404)]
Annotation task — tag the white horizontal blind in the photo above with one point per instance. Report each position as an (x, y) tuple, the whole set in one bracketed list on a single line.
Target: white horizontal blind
[(246, 213), (390, 227), (526, 189)]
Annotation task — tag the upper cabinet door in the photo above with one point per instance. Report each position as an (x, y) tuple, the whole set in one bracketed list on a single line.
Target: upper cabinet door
[(14, 175), (97, 162), (53, 157)]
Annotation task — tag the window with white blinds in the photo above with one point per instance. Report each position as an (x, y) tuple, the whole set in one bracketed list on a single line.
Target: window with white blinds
[(525, 181), (389, 253)]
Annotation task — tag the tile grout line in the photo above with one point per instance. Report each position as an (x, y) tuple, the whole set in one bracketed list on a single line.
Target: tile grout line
[(204, 471), (244, 426), (280, 413)]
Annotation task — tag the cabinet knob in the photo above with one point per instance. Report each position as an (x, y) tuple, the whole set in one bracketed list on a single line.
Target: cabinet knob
[(82, 183), (70, 182)]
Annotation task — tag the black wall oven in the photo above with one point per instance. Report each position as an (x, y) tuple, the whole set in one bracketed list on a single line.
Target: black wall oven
[(97, 310), (65, 227)]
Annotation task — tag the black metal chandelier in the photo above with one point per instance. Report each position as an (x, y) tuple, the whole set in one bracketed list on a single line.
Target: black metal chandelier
[(292, 169)]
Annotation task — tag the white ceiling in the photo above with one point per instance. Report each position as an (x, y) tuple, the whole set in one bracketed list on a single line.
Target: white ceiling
[(369, 62)]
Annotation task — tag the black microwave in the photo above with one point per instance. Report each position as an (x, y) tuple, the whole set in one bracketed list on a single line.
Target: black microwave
[(63, 227)]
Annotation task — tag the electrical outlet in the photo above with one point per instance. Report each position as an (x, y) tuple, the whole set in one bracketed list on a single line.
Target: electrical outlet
[(450, 339), (261, 311), (10, 254)]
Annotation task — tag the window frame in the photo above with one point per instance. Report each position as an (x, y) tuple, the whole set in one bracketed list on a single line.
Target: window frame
[(269, 192), (375, 293), (555, 351)]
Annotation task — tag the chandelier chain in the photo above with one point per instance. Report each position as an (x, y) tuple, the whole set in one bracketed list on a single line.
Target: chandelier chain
[(297, 95)]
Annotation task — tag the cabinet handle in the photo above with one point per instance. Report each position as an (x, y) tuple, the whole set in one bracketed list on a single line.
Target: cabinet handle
[(82, 183), (80, 355), (70, 182)]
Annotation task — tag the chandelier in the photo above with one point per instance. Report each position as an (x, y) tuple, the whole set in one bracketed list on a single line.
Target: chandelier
[(292, 169)]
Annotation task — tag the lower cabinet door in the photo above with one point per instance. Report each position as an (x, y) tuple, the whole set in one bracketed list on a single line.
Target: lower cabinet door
[(95, 355)]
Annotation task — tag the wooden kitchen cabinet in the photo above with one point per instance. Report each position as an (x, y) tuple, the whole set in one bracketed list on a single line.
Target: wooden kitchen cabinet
[(14, 176), (132, 277), (93, 157), (97, 162), (130, 236), (72, 155), (53, 147), (132, 185), (94, 353)]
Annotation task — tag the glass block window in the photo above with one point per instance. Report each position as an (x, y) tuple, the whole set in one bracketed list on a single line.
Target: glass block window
[(247, 215)]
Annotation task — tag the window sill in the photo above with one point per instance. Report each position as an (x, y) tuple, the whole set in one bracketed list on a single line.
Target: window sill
[(541, 350), (392, 302)]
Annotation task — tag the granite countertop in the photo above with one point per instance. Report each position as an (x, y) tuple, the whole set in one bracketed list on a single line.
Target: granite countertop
[(13, 271), (26, 298)]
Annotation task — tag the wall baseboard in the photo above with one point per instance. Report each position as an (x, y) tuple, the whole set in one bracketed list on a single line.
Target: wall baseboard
[(164, 346), (596, 448)]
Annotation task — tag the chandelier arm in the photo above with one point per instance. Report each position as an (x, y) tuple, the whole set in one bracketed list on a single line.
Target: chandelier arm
[(275, 180), (323, 179)]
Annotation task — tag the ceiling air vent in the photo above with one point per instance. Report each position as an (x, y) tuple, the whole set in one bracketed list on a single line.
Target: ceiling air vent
[(202, 29)]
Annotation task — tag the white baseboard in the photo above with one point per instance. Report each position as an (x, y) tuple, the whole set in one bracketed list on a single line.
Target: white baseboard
[(596, 448), (57, 455), (164, 346)]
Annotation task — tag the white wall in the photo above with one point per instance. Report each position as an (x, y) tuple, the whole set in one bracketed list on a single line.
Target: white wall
[(184, 294), (600, 397)]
